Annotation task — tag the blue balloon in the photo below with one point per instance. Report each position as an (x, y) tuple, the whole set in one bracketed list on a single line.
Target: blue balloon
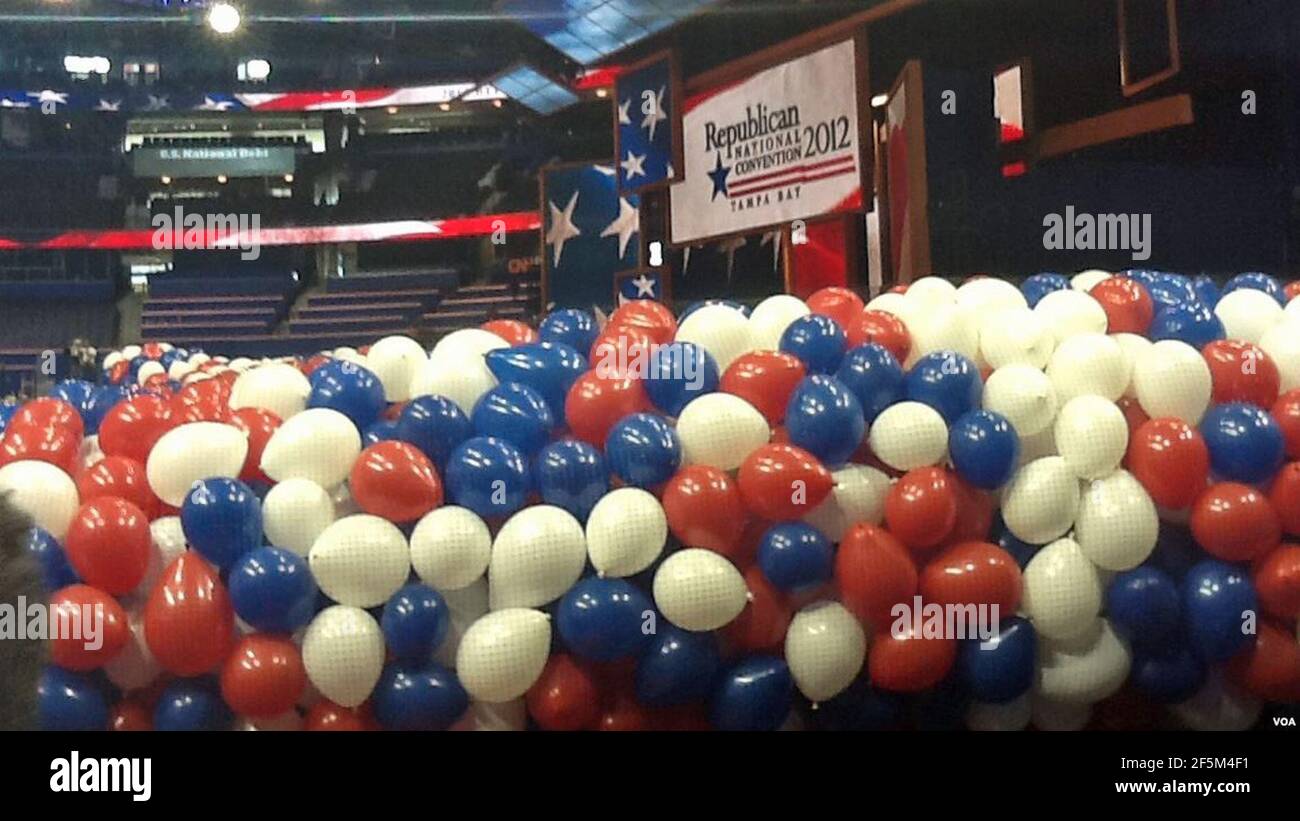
[(677, 373), (946, 381), (1216, 597), (477, 466), (436, 425), (381, 431), (860, 708), (571, 474), (1190, 322), (104, 397), (222, 520), (754, 694), (604, 619), (942, 708), (1245, 442), (1171, 676), (56, 570), (133, 369), (1000, 669), (817, 341), (1176, 551), (170, 357), (76, 392), (678, 667), (1258, 281), (70, 701), (874, 376), (1040, 285), (1143, 276), (573, 327), (795, 556), (191, 704), (1144, 606), (825, 418), (415, 622), (516, 414), (1021, 551), (730, 303), (273, 590), (350, 389), (984, 448), (1170, 290), (643, 450), (550, 368), (7, 411), (1207, 290), (418, 696)]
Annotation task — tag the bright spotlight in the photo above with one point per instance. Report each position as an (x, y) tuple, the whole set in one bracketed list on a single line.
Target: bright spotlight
[(254, 71), (224, 18)]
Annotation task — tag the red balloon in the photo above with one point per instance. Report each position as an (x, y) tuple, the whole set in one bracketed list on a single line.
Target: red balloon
[(1287, 413), (130, 715), (1270, 667), (1277, 582), (921, 508), (133, 426), (597, 401), (684, 719), (903, 661), (310, 365), (263, 676), (780, 482), (840, 304), (58, 445), (882, 328), (118, 372), (214, 391), (1242, 372), (325, 716), (761, 626), (1284, 494), (1235, 522), (704, 509), (565, 697), (976, 510), (623, 713), (1133, 414), (874, 572), (48, 412), (764, 379), (259, 424), (1169, 457), (618, 350), (109, 543), (1127, 304), (1292, 289), (511, 330), (121, 477), (395, 481), (976, 573), (87, 628), (646, 315), (188, 620)]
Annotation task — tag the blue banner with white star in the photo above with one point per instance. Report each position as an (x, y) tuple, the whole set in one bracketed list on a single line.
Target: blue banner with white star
[(647, 137), (646, 283), (590, 232)]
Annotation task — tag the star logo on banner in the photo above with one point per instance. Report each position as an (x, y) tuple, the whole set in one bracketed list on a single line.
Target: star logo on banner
[(210, 104), (55, 97), (633, 166), (562, 228), (623, 117), (109, 105), (624, 225), (719, 177), (645, 286), (157, 102), (653, 109)]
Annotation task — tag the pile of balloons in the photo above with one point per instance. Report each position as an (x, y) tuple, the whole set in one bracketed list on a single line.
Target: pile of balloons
[(1073, 503)]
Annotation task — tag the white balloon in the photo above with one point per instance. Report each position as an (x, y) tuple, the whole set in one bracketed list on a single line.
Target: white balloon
[(467, 343), (1132, 346), (463, 380), (42, 491), (908, 435), (990, 295), (1024, 395), (858, 496), (194, 451), (1088, 363), (148, 370), (1219, 707), (1062, 591), (294, 514), (506, 716), (395, 361), (1282, 344), (1010, 716), (450, 548), (346, 353), (134, 666), (1172, 379), (1292, 309), (112, 359), (699, 590), (1015, 336), (825, 647), (626, 532), (1090, 667), (1071, 312), (538, 554), (1036, 446), (931, 292), (720, 430), (1092, 436), (167, 542), (945, 327), (131, 351), (466, 606), (721, 330), (1248, 314), (1117, 523), (360, 560), (770, 318), (343, 652), (319, 444), (282, 389), (1087, 280), (181, 368), (503, 653), (1040, 502), (896, 304)]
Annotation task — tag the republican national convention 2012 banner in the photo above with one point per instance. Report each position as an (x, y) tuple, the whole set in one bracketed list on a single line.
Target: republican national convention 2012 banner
[(781, 145)]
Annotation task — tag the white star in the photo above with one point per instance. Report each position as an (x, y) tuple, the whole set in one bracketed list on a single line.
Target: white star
[(109, 105), (562, 228), (156, 103), (623, 118), (624, 225), (47, 96), (633, 166), (645, 286), (653, 109), (210, 104)]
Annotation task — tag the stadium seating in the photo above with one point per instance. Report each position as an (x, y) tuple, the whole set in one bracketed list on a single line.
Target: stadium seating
[(473, 305), (208, 311)]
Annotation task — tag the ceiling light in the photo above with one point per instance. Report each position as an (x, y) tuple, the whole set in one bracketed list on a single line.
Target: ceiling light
[(254, 71), (224, 18), (879, 100), (222, 179), (602, 93)]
